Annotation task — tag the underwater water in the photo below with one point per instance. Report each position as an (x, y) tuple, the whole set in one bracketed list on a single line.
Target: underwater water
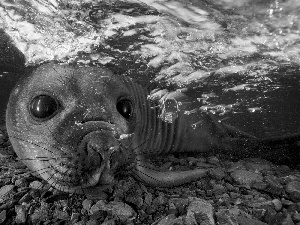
[(238, 60)]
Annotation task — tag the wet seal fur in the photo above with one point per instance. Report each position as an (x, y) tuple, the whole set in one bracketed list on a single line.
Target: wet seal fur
[(78, 126)]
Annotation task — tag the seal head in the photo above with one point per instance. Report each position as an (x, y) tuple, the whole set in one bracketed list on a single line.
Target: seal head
[(71, 125)]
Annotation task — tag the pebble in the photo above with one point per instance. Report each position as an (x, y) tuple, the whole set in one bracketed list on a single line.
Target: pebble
[(199, 208), (170, 220), (243, 220), (4, 192), (87, 204), (120, 209), (213, 160), (74, 217), (277, 204), (36, 185), (245, 177), (20, 214), (41, 214), (293, 189), (234, 189), (2, 216), (274, 185), (217, 173)]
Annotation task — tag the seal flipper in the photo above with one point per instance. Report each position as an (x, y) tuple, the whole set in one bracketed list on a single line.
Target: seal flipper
[(144, 173)]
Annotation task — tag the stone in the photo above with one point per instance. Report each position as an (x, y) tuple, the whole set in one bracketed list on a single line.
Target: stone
[(217, 173), (2, 216), (74, 217), (119, 209), (41, 214), (87, 204), (293, 189), (4, 191), (36, 185), (170, 220), (242, 220), (199, 211), (281, 219), (245, 177), (277, 204), (224, 216), (20, 214)]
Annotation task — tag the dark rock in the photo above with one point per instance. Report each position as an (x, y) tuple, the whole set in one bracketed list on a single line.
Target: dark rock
[(226, 217), (199, 211), (293, 189), (61, 215), (242, 220), (5, 192), (259, 185), (119, 209), (217, 173), (36, 185), (213, 160), (20, 214), (92, 222), (245, 177), (277, 204), (2, 216), (74, 217), (281, 219), (170, 220), (274, 186), (87, 204), (41, 214)]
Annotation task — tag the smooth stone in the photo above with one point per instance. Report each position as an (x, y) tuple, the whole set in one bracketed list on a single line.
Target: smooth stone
[(245, 177)]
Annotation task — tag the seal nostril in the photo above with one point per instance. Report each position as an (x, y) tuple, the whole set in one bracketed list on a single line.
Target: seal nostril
[(93, 158)]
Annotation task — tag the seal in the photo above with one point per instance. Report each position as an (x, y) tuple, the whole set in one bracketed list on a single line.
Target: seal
[(78, 126)]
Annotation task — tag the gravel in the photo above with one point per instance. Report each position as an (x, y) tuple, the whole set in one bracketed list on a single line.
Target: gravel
[(244, 192)]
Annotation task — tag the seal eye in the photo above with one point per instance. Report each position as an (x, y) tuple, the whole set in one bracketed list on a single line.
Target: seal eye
[(43, 107), (124, 107)]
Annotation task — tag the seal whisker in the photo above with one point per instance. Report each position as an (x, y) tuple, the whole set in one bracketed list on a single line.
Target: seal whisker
[(40, 146)]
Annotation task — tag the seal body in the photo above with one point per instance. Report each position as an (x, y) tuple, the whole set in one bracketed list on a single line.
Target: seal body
[(77, 126)]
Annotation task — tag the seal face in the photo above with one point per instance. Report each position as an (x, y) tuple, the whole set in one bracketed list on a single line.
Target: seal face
[(68, 124)]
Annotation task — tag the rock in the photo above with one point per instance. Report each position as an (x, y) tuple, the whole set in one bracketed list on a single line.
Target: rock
[(2, 216), (36, 185), (259, 185), (218, 189), (20, 214), (245, 177), (242, 220), (281, 219), (92, 222), (199, 211), (80, 223), (296, 217), (26, 198), (62, 215), (41, 214), (258, 165), (180, 204), (74, 217), (224, 217), (213, 160), (293, 189), (277, 204), (87, 204), (170, 220), (4, 192), (21, 182), (119, 209), (217, 173), (274, 185)]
